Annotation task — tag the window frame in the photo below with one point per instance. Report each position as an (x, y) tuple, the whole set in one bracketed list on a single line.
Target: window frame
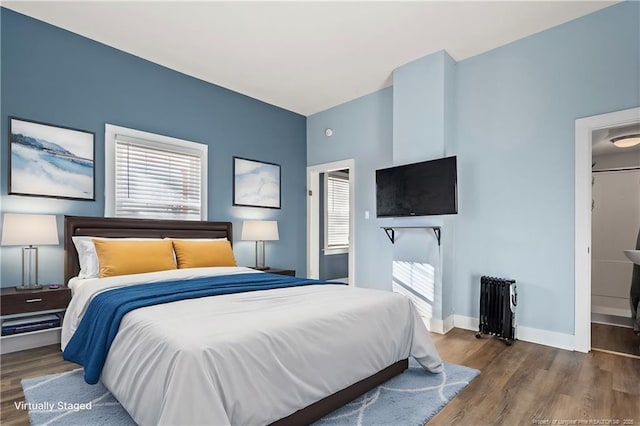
[(342, 249), (151, 140)]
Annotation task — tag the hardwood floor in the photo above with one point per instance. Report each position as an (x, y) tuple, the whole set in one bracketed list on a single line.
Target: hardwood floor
[(22, 365), (520, 384), (616, 339), (527, 384)]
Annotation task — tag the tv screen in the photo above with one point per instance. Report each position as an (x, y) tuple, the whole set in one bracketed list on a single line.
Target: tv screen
[(417, 189)]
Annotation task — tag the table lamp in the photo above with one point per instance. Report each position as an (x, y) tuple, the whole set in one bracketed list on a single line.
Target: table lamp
[(260, 231), (29, 230)]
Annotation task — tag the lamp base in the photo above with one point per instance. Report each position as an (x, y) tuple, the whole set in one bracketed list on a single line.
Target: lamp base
[(261, 268), (25, 288)]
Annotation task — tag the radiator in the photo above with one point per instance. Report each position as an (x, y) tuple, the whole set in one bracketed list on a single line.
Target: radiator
[(498, 300)]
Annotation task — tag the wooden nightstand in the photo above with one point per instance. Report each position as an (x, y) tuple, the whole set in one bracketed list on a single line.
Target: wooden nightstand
[(16, 304), (279, 271)]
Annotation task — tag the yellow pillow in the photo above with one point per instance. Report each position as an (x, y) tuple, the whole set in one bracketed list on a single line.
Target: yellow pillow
[(133, 257), (198, 254)]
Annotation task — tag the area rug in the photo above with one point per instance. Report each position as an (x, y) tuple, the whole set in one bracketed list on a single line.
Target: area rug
[(408, 399)]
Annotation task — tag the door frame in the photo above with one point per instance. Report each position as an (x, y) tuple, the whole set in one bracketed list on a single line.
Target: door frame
[(582, 204), (313, 215)]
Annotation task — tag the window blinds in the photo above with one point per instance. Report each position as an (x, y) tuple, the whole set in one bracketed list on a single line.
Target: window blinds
[(337, 203), (156, 181)]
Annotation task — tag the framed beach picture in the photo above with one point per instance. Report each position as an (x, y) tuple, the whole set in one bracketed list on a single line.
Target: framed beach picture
[(256, 183), (50, 161)]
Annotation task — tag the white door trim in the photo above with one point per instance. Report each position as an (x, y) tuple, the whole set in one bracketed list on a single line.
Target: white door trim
[(313, 215), (582, 284)]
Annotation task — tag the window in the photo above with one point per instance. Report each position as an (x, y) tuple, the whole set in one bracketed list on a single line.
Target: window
[(336, 236), (154, 177)]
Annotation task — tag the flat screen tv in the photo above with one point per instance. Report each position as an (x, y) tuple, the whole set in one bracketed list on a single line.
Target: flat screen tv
[(417, 189)]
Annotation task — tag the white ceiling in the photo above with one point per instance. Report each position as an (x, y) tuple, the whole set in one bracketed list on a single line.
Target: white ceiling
[(601, 139), (302, 56)]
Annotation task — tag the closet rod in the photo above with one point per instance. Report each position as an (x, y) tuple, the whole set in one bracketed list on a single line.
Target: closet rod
[(621, 169)]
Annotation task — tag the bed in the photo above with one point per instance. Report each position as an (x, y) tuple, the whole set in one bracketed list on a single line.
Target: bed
[(285, 356)]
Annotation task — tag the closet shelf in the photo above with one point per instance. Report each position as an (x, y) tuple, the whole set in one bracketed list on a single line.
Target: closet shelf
[(391, 231)]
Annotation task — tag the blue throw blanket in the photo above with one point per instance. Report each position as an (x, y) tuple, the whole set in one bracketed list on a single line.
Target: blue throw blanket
[(90, 344)]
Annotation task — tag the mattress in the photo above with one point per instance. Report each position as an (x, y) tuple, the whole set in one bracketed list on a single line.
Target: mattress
[(249, 358)]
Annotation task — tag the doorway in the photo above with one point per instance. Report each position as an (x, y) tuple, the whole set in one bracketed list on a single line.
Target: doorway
[(336, 174), (334, 226), (615, 227), (586, 128)]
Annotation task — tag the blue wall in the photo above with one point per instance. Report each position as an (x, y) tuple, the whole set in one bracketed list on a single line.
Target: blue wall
[(423, 128), (54, 76), (517, 107), (515, 111), (420, 106), (362, 130)]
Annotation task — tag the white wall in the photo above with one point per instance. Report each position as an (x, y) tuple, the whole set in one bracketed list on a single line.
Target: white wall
[(615, 223)]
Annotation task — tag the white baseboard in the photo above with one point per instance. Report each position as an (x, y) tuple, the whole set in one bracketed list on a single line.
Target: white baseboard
[(439, 326), (614, 320), (448, 324), (466, 323), (605, 310), (548, 338), (527, 334), (435, 325)]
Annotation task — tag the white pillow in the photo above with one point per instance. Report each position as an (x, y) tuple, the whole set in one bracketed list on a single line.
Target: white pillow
[(196, 239), (88, 257)]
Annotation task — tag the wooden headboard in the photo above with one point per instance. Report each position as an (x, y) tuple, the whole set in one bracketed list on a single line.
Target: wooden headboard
[(139, 228)]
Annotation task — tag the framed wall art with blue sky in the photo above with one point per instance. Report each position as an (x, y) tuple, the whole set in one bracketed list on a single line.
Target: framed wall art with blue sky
[(50, 161), (256, 183)]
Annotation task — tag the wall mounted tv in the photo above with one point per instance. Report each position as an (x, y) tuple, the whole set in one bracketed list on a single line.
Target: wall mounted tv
[(417, 189)]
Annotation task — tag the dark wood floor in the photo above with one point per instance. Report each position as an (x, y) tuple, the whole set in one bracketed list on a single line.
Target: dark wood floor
[(616, 339), (518, 385)]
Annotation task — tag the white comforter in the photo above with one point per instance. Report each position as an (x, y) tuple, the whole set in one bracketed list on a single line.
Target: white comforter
[(249, 358)]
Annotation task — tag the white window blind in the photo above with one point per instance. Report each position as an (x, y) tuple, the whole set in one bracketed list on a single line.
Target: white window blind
[(157, 180), (337, 210)]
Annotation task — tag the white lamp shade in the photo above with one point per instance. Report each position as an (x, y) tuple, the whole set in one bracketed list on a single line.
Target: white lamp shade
[(260, 230), (29, 229)]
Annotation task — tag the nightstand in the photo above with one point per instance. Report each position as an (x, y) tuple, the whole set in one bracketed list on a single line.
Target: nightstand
[(17, 304), (279, 271)]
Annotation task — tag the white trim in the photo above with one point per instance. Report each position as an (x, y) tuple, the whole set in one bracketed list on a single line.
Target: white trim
[(449, 323), (617, 353), (313, 216), (440, 326), (526, 334), (545, 337), (614, 320), (327, 250), (110, 132), (434, 325), (584, 128), (618, 312), (466, 323)]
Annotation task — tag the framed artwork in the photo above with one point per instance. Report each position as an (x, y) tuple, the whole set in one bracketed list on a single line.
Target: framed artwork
[(256, 183), (50, 161)]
